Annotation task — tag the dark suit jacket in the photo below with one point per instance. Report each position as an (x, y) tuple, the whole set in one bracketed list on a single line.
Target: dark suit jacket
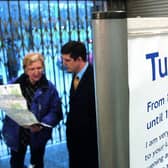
[(81, 122)]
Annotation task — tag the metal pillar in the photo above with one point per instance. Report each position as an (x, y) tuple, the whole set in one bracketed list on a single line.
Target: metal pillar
[(111, 76)]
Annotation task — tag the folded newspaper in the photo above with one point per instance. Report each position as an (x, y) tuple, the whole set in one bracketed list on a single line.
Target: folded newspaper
[(14, 105)]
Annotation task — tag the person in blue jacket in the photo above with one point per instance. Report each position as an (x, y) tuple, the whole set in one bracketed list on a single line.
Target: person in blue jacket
[(43, 101)]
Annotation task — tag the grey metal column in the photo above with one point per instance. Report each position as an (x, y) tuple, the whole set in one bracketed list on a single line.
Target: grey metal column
[(112, 95)]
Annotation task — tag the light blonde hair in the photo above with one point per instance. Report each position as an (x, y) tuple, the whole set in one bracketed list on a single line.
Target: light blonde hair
[(32, 57)]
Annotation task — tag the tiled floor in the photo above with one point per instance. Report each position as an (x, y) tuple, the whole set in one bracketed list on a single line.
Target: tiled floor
[(55, 157)]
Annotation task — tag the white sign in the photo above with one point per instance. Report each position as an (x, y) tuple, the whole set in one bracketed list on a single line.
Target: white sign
[(148, 87)]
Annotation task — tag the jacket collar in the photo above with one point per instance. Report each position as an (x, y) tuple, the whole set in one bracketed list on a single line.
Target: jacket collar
[(24, 80)]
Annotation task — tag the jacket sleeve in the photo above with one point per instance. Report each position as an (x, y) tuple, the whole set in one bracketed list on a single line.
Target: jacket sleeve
[(54, 111)]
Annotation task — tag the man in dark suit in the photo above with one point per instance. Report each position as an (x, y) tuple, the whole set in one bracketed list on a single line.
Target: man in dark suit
[(81, 120)]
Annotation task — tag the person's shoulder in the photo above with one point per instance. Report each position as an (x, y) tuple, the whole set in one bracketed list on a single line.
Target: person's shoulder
[(89, 69), (90, 66), (52, 88), (19, 79), (51, 85)]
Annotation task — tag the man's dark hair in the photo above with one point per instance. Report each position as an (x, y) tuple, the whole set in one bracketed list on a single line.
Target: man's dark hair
[(75, 49)]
